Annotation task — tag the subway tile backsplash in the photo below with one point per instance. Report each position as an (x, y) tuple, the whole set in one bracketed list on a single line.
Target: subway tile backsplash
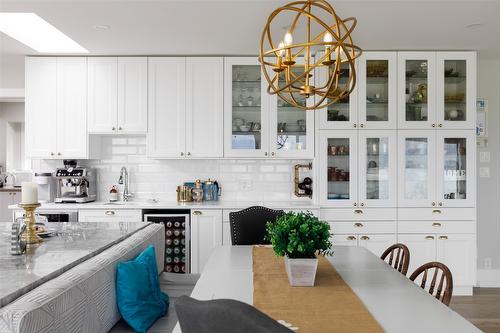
[(248, 180)]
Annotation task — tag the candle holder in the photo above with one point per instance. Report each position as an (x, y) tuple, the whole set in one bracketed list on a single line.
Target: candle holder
[(29, 235)]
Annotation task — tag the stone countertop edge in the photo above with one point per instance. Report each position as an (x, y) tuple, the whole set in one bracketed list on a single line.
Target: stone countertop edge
[(7, 299)]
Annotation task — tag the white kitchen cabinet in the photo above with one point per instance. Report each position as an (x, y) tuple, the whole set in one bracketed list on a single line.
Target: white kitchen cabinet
[(117, 99), (110, 215), (458, 252), (185, 107), (7, 199), (206, 235), (422, 249), (344, 239), (376, 243), (56, 107)]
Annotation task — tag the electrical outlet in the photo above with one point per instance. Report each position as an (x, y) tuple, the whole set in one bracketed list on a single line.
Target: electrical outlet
[(484, 157), (484, 172), (245, 185), (487, 263)]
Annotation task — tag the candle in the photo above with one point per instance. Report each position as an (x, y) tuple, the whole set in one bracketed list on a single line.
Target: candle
[(29, 193)]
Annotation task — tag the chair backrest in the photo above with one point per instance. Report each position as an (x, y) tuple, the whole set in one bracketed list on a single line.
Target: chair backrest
[(398, 256), (444, 288), (248, 226), (223, 315)]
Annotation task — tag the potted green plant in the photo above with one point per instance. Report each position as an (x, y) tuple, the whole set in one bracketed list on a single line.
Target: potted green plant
[(299, 237)]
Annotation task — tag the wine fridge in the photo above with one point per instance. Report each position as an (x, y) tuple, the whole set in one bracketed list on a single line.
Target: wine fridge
[(177, 237)]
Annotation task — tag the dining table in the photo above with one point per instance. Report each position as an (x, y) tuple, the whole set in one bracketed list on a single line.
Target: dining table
[(395, 302)]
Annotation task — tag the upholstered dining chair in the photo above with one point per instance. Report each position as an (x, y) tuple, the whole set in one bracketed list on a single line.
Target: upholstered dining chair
[(248, 226), (223, 316), (444, 288), (398, 256)]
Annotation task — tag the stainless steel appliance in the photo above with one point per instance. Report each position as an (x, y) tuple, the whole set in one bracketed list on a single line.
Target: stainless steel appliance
[(75, 184), (177, 237)]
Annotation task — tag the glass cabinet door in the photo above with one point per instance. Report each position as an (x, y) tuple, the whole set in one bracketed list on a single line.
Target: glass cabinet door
[(417, 168), (342, 114), (377, 168), (456, 152), (377, 80), (246, 109), (338, 155), (292, 128), (456, 92), (416, 95)]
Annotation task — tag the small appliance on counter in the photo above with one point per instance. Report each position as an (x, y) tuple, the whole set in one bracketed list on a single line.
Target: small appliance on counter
[(16, 177), (75, 184), (46, 186)]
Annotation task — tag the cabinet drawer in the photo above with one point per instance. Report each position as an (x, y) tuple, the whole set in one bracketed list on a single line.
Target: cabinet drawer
[(358, 214), (110, 215), (225, 213), (437, 214), (437, 227), (363, 227)]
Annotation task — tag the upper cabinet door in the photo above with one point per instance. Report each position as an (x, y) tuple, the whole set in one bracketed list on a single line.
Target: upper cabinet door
[(72, 107), (456, 90), (417, 168), (41, 106), (246, 109), (377, 87), (456, 153), (291, 128), (102, 94), (132, 95), (417, 90), (338, 160), (166, 116), (344, 113), (377, 168), (204, 107)]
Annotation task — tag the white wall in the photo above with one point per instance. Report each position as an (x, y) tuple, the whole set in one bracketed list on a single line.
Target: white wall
[(9, 112), (11, 71)]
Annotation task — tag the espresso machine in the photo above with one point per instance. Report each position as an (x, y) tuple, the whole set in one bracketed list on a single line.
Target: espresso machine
[(75, 184)]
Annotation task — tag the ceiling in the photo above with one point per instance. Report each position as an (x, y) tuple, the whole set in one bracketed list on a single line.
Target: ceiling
[(233, 27)]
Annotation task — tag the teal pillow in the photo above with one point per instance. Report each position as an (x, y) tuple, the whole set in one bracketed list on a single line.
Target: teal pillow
[(140, 299)]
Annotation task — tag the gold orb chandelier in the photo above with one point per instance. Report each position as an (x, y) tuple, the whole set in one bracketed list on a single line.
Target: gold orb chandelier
[(288, 65)]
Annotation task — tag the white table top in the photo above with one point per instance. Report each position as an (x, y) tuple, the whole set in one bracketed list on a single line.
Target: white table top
[(397, 304)]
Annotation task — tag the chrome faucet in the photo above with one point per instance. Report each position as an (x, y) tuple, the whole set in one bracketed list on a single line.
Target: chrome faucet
[(126, 195)]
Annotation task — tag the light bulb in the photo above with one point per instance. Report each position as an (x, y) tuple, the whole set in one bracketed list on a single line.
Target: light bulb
[(288, 39), (281, 45), (328, 38)]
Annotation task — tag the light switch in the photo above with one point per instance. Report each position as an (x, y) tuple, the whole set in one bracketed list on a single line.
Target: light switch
[(484, 172), (484, 157)]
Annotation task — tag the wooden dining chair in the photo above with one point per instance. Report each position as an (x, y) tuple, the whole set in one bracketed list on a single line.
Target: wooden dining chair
[(248, 226), (398, 256), (444, 289)]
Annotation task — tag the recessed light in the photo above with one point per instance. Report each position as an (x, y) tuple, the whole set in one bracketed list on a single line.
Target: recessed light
[(102, 27), (474, 25), (36, 33)]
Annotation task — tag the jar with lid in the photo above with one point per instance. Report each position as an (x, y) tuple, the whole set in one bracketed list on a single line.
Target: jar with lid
[(198, 191)]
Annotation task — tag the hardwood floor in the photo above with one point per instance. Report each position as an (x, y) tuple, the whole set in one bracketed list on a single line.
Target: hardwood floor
[(482, 309)]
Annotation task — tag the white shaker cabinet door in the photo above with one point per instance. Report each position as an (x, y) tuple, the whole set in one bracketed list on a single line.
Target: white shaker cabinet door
[(110, 215), (377, 244), (72, 107), (204, 107), (132, 95), (458, 252), (102, 95), (422, 249), (206, 235), (167, 105), (41, 106)]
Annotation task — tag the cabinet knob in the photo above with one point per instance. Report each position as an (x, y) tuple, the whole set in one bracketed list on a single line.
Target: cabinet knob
[(351, 238), (265, 154), (358, 225), (365, 238), (436, 224), (440, 204), (433, 125), (354, 125), (113, 128), (361, 125), (188, 154), (109, 212), (58, 154), (358, 211), (52, 154), (433, 203), (182, 154), (196, 212), (443, 237), (272, 154), (120, 128), (440, 125), (362, 204), (429, 237), (355, 204)]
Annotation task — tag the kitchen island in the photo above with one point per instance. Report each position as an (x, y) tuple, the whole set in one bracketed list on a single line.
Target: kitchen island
[(70, 246)]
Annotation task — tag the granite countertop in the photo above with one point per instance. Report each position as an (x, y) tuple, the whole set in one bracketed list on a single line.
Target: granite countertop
[(10, 189), (75, 243), (298, 204)]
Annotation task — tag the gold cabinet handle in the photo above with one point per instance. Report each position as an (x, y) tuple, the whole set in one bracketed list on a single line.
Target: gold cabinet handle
[(358, 211), (429, 237), (365, 238), (358, 225), (351, 238), (443, 237), (196, 212), (436, 224), (436, 211), (109, 212)]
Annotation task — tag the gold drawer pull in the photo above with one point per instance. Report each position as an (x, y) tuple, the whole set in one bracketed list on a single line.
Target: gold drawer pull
[(351, 238), (196, 212), (109, 213), (429, 237), (436, 224), (436, 211), (358, 225), (365, 238), (443, 237), (358, 211)]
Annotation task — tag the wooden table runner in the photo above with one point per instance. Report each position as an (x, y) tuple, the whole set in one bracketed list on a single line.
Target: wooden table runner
[(329, 306)]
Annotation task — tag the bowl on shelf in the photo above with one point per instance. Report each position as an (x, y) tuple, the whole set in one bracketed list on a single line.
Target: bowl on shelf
[(245, 128), (238, 121)]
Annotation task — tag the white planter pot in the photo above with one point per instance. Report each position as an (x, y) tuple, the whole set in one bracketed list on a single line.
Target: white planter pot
[(301, 272)]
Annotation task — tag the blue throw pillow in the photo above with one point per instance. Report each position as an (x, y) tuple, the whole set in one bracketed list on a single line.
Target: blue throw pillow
[(140, 300)]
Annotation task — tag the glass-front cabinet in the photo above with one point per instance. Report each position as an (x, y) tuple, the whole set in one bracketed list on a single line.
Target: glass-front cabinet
[(358, 168), (417, 90), (456, 90), (246, 106), (377, 81)]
